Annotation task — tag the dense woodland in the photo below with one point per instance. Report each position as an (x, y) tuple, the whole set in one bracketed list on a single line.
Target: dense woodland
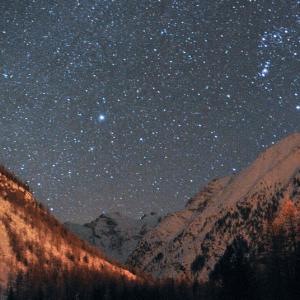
[(272, 273)]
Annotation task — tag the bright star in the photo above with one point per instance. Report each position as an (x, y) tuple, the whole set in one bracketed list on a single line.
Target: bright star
[(101, 118)]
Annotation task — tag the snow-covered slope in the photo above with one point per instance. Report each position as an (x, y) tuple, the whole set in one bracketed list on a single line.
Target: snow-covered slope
[(190, 242), (30, 235), (115, 234)]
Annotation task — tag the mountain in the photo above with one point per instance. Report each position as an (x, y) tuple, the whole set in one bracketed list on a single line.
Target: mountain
[(190, 243), (115, 234), (30, 235)]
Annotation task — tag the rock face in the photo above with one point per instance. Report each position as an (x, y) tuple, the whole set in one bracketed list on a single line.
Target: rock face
[(29, 234), (114, 234), (189, 243)]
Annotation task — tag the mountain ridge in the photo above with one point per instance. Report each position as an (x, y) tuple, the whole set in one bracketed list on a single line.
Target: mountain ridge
[(242, 205), (188, 244), (115, 234)]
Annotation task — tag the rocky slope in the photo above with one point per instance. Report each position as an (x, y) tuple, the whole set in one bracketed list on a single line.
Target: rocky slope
[(29, 234), (114, 234), (189, 243)]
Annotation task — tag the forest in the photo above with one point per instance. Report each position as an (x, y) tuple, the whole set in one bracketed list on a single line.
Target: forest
[(270, 272)]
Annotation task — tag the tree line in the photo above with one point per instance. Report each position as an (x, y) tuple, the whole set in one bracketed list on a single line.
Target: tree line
[(272, 272)]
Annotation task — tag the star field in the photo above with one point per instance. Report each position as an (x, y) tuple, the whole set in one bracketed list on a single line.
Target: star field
[(132, 106)]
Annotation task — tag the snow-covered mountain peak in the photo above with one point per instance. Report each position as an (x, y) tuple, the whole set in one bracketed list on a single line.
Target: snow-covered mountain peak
[(274, 166), (114, 233), (209, 191), (190, 242)]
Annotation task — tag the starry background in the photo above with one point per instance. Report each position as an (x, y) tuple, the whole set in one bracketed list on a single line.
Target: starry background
[(133, 105)]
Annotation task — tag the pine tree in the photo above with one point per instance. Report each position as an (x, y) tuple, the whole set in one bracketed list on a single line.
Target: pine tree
[(11, 294)]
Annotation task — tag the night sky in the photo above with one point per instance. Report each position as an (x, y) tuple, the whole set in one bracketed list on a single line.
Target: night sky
[(133, 105)]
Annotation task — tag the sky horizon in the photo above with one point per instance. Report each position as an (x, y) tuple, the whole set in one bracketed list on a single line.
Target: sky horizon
[(133, 106)]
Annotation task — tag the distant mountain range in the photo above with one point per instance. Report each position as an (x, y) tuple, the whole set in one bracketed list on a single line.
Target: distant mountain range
[(115, 234), (189, 243)]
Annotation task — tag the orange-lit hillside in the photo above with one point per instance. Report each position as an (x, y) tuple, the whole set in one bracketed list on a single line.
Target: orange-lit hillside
[(30, 235), (287, 217)]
